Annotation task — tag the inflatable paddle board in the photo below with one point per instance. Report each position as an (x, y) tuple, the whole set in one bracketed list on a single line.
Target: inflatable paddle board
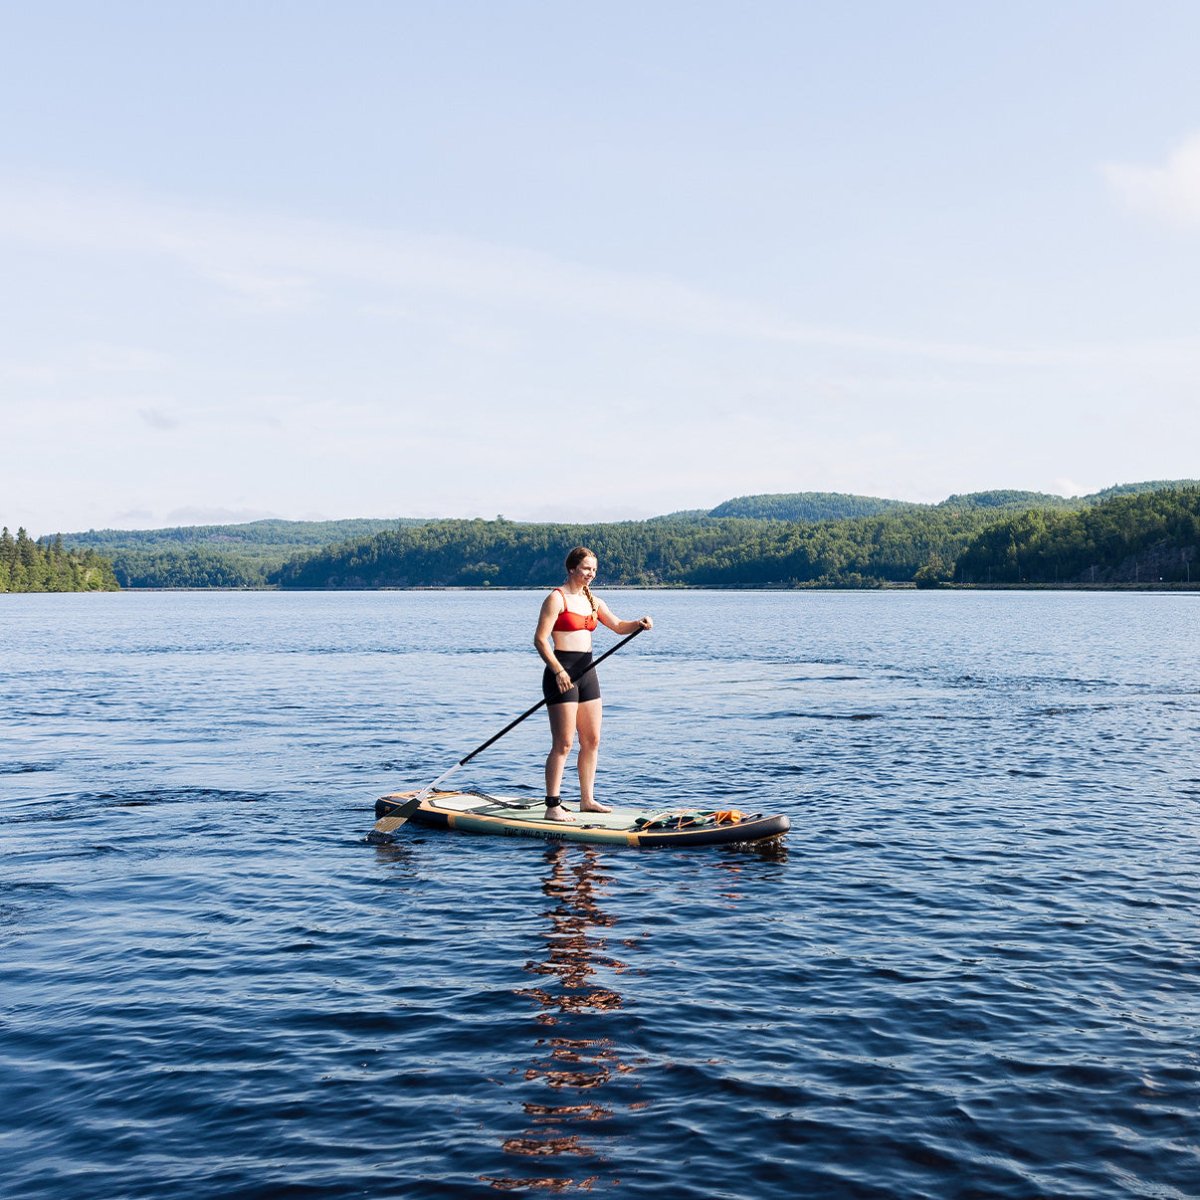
[(509, 816)]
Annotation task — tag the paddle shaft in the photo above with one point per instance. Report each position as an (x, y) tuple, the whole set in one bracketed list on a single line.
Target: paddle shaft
[(412, 805)]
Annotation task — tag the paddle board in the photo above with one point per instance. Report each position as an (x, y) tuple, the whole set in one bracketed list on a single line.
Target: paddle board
[(510, 816)]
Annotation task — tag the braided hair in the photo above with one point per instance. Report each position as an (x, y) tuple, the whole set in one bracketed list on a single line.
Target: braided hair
[(575, 557)]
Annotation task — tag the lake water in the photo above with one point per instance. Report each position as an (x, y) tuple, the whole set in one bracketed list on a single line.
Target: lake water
[(973, 971)]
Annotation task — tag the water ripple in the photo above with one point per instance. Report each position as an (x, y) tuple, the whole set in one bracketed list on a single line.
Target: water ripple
[(972, 970)]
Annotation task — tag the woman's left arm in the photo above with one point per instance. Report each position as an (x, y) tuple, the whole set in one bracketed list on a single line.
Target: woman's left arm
[(608, 618)]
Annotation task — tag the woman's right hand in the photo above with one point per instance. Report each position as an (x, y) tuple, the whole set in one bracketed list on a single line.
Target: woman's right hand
[(564, 681)]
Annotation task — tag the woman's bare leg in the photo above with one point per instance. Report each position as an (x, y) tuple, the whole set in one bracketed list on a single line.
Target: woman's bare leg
[(562, 737), (588, 721)]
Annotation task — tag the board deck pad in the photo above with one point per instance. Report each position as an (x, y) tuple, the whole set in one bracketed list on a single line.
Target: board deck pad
[(513, 816), (535, 810)]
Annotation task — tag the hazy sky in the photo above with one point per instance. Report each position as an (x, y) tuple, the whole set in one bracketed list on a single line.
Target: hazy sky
[(568, 261)]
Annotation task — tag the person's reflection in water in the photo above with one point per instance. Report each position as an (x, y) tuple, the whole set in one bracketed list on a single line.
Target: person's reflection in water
[(574, 1070)]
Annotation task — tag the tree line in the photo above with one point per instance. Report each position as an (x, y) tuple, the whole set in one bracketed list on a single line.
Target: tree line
[(836, 506), (199, 567), (30, 566), (805, 506), (1129, 538), (1129, 534), (698, 552), (216, 556)]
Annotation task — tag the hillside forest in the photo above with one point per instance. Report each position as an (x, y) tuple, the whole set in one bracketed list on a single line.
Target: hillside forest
[(1128, 535)]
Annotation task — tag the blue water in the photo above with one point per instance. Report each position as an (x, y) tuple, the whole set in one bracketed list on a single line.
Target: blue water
[(973, 971)]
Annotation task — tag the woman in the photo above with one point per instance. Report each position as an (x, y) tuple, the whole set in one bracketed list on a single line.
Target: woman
[(564, 640)]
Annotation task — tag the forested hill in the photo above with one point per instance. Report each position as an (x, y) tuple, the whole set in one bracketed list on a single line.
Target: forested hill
[(1131, 538), (838, 544), (203, 556), (504, 553), (1135, 538), (250, 536), (805, 506), (837, 506), (1137, 489), (1002, 499), (28, 566), (714, 551)]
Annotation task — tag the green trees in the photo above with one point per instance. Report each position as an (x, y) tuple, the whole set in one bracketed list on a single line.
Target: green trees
[(201, 556), (723, 552), (1133, 533), (1006, 498), (805, 506), (1133, 537), (199, 567), (1130, 538), (30, 566)]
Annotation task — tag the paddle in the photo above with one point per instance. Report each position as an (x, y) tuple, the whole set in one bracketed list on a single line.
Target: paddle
[(393, 822)]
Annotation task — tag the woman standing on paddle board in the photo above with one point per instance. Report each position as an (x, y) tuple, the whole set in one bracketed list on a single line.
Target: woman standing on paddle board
[(564, 640)]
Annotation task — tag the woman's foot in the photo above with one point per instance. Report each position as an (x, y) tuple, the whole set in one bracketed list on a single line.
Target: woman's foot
[(555, 810), (594, 806)]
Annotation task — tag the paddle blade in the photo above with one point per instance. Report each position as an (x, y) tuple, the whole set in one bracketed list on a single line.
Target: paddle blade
[(385, 829), (386, 826)]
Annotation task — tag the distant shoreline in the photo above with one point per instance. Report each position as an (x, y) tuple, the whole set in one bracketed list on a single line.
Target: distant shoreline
[(1165, 586)]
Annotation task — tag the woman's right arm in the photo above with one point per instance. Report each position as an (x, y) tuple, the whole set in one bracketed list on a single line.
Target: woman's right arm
[(545, 644)]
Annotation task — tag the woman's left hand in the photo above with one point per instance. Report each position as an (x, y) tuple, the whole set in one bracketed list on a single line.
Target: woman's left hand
[(645, 623)]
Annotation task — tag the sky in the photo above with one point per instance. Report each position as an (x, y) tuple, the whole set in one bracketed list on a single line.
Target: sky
[(589, 262)]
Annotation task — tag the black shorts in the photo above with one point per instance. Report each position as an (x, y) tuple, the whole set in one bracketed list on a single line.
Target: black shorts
[(585, 689)]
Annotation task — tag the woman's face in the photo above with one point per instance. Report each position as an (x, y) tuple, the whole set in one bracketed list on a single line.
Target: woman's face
[(585, 572)]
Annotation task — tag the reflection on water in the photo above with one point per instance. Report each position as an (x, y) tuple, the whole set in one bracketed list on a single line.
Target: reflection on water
[(573, 1069)]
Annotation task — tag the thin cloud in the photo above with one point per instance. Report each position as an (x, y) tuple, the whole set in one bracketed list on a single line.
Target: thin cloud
[(266, 292), (1169, 193), (105, 358), (28, 374), (1069, 487), (157, 419), (285, 263)]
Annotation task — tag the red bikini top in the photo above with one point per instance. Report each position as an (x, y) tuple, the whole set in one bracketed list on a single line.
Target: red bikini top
[(571, 622)]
